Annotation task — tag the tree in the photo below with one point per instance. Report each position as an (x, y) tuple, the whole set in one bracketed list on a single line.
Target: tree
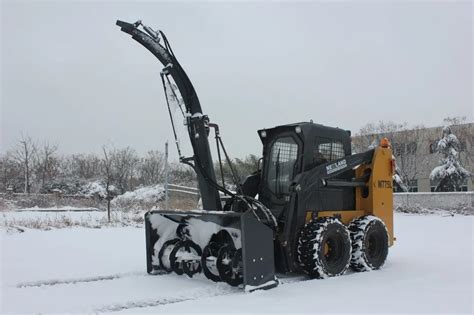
[(151, 168), (11, 173), (46, 163), (405, 142), (84, 166), (241, 167), (464, 134), (107, 174), (449, 174), (25, 155), (124, 165), (182, 175)]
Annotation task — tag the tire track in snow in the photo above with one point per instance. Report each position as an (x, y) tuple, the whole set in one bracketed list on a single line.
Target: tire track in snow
[(142, 304), (219, 290), (76, 280)]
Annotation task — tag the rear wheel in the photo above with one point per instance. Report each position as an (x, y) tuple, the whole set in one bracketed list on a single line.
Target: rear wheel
[(324, 248), (369, 243)]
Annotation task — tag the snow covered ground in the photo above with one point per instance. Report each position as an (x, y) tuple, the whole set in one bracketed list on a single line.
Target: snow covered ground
[(429, 270), (46, 219), (59, 209)]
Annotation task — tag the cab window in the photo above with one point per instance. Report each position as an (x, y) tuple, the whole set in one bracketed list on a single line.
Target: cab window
[(282, 161), (327, 150)]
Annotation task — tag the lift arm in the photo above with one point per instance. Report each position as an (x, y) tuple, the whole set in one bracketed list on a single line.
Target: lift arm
[(197, 123), (319, 176)]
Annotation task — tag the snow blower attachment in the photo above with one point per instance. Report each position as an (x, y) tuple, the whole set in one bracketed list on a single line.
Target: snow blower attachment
[(320, 209), (226, 246)]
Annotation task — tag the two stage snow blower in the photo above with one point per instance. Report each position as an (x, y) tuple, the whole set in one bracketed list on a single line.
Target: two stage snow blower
[(311, 206)]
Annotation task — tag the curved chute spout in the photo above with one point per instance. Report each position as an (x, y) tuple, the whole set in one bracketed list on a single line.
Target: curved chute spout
[(197, 123)]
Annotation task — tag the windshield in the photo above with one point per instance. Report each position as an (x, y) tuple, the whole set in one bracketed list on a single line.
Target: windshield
[(283, 156)]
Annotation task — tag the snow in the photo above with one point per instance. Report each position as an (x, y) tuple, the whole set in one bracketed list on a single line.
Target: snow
[(250, 288), (96, 188), (429, 270), (200, 231), (45, 215), (440, 202), (147, 194), (450, 172), (45, 220), (59, 209)]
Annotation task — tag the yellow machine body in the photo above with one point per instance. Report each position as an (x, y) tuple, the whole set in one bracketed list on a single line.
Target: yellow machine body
[(377, 198)]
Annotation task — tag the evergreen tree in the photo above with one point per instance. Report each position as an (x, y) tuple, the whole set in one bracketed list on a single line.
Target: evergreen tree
[(449, 174)]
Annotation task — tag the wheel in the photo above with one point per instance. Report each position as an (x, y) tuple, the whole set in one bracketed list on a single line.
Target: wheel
[(229, 264), (209, 260), (164, 254), (369, 243), (324, 248), (186, 258)]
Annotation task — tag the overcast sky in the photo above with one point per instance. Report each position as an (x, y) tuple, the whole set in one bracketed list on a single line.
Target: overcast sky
[(71, 77)]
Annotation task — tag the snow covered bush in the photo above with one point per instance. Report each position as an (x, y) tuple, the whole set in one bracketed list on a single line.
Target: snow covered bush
[(97, 189), (143, 198), (449, 174), (66, 185)]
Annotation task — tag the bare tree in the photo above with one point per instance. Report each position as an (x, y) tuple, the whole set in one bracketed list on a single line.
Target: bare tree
[(124, 165), (151, 168), (46, 162), (25, 154), (108, 177), (85, 166), (11, 174), (405, 141), (182, 175)]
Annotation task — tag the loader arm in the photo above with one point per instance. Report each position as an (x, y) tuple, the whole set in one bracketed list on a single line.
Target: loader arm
[(319, 175), (197, 123)]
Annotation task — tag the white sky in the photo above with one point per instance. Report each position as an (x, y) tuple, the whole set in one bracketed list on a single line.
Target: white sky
[(70, 76)]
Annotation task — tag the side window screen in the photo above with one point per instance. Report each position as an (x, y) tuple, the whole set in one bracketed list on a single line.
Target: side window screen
[(337, 151), (283, 156), (327, 150)]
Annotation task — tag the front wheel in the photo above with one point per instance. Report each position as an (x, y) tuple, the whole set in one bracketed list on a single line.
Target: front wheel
[(369, 243), (324, 248)]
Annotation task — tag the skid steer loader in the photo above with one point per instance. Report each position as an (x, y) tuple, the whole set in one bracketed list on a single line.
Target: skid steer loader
[(311, 206)]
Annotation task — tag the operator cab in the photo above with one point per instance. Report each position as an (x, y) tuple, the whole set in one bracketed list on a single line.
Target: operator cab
[(295, 148)]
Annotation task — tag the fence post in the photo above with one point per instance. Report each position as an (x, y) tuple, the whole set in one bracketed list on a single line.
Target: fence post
[(166, 176)]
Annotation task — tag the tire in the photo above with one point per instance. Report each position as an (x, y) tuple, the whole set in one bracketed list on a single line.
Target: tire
[(324, 248), (369, 243)]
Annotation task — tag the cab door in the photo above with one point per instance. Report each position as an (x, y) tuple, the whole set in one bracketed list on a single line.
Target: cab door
[(282, 163)]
